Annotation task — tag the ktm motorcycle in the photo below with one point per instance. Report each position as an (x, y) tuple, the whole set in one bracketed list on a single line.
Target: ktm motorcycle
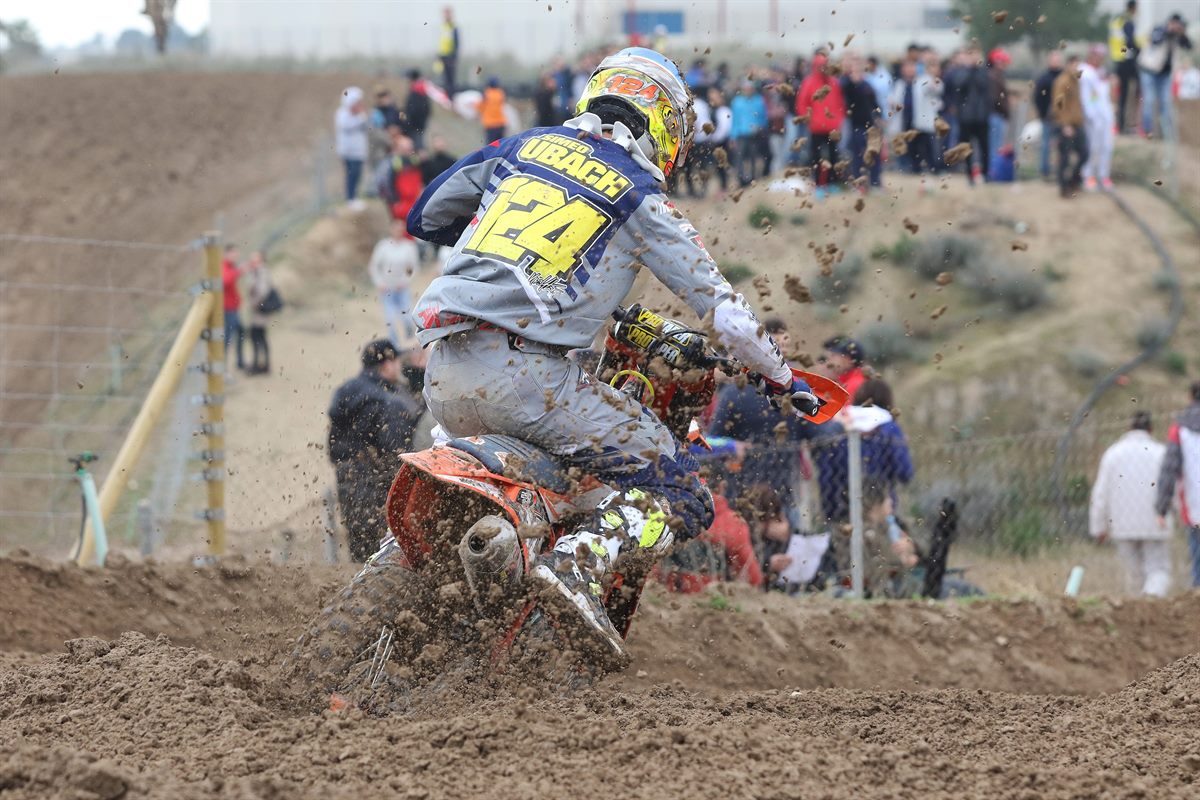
[(447, 593)]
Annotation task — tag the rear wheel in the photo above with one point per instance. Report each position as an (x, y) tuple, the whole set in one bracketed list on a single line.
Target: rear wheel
[(382, 636)]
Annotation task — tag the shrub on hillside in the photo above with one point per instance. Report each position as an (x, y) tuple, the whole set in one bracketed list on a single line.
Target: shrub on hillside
[(1153, 332), (1086, 362), (997, 281), (887, 342), (903, 249), (1175, 363), (763, 215), (836, 288), (736, 273), (948, 253)]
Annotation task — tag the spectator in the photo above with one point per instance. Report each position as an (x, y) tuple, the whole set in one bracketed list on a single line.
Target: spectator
[(491, 111), (886, 460), (952, 85), (749, 112), (888, 551), (403, 181), (230, 273), (1157, 63), (974, 102), (383, 116), (371, 423), (999, 61), (393, 263), (1181, 468), (768, 437), (436, 160), (1188, 80), (264, 301), (1123, 49), (1067, 109), (1122, 509), (863, 113), (881, 82), (722, 120), (1043, 91), (417, 109), (820, 101), (1096, 97), (843, 359), (723, 552), (545, 102), (700, 156), (350, 123), (778, 97), (448, 44), (697, 77), (914, 106)]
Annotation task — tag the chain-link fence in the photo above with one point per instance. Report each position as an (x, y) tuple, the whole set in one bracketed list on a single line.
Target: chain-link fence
[(82, 336), (1015, 494)]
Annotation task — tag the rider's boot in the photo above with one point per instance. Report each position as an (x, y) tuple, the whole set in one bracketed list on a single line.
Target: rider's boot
[(574, 570)]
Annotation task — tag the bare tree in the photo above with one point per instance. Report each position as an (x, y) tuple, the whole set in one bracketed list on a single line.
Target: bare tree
[(161, 13)]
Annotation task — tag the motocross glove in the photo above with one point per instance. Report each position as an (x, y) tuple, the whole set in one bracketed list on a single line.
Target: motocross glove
[(802, 397)]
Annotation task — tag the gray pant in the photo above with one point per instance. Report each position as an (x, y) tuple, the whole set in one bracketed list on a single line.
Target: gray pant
[(1147, 564), (479, 382)]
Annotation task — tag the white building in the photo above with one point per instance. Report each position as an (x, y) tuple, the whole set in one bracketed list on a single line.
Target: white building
[(533, 31)]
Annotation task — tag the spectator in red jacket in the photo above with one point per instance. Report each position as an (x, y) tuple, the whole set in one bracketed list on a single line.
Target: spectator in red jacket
[(820, 101), (843, 360), (722, 553), (401, 185), (230, 272)]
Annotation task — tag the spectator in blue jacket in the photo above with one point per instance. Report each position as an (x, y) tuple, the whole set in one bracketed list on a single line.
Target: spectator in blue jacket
[(749, 123), (886, 460), (771, 453)]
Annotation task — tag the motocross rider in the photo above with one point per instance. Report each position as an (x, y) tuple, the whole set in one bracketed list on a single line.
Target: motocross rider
[(549, 229)]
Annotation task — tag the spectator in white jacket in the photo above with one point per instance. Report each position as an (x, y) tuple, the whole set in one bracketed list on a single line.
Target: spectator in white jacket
[(393, 262), (1123, 509), (914, 105), (351, 137), (1095, 92)]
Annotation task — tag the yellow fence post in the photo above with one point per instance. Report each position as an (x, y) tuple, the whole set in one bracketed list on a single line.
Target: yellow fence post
[(214, 401), (160, 393)]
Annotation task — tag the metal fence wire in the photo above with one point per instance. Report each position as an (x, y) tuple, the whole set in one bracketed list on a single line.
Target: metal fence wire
[(82, 336), (1012, 492)]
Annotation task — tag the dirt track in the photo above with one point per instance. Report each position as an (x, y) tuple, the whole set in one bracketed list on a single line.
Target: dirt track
[(719, 703)]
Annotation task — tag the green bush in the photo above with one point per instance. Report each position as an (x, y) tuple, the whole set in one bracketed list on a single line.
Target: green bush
[(1022, 533), (1175, 363), (1153, 332), (887, 343), (1166, 281), (904, 248), (947, 253), (836, 288), (880, 252), (737, 273), (763, 215), (995, 281), (1086, 362), (1053, 273)]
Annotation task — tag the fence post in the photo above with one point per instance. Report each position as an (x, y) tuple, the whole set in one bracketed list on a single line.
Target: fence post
[(214, 399), (854, 443)]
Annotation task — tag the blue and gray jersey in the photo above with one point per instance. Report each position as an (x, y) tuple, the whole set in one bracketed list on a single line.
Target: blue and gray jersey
[(549, 229)]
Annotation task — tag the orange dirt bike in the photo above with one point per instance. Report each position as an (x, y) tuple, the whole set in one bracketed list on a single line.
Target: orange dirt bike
[(446, 594)]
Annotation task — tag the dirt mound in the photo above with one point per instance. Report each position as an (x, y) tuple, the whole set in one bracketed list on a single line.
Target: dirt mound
[(175, 722), (232, 608), (712, 643)]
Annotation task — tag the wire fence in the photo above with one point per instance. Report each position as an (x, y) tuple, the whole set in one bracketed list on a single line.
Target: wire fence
[(84, 327), (1015, 494)]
